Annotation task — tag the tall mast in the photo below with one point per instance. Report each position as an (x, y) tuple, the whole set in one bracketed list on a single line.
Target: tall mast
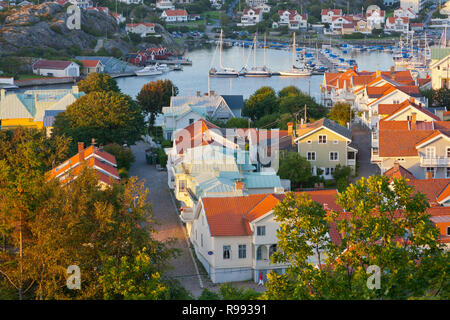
[(254, 53), (293, 50), (264, 49), (220, 52)]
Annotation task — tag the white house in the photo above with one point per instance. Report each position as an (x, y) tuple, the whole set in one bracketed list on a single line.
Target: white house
[(285, 16), (397, 24), (405, 12), (165, 4), (255, 3), (328, 14), (174, 15), (56, 68), (251, 16), (298, 21), (105, 10), (143, 29), (119, 18), (439, 66), (390, 2), (338, 22), (235, 237), (375, 17), (131, 1), (264, 7)]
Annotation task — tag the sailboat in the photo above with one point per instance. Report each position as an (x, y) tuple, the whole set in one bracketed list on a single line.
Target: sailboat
[(295, 71), (223, 72), (257, 71)]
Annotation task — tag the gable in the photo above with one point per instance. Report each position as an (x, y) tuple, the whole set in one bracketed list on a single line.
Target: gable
[(314, 135), (408, 111)]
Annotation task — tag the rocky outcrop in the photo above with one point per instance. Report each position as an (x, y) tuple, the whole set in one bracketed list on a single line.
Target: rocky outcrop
[(44, 26)]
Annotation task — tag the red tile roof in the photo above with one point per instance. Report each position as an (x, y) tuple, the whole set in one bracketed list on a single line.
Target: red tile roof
[(147, 24), (193, 135), (51, 64), (90, 63), (336, 12), (176, 13), (432, 188), (230, 216), (392, 109), (398, 173)]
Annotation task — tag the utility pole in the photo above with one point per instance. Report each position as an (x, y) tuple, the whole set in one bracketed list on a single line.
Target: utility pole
[(305, 114)]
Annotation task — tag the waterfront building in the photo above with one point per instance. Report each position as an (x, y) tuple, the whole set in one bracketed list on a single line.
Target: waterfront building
[(390, 2), (185, 110), (143, 28), (251, 16), (91, 66), (56, 68), (131, 1), (119, 18), (256, 3), (420, 146), (338, 22), (397, 24), (103, 164), (362, 26), (174, 15), (439, 67), (328, 14), (405, 13), (82, 4), (375, 17), (28, 109)]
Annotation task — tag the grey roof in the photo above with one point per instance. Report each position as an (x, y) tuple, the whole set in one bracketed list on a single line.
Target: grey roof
[(110, 64), (343, 131), (234, 101)]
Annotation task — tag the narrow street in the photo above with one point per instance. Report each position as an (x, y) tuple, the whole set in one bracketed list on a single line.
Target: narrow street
[(361, 137)]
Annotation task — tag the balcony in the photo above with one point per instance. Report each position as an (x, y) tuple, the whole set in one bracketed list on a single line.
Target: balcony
[(375, 140), (434, 162), (187, 214), (351, 162)]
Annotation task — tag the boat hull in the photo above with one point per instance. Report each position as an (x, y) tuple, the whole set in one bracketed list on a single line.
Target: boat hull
[(294, 74)]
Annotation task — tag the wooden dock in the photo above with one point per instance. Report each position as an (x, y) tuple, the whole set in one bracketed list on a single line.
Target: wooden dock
[(184, 62)]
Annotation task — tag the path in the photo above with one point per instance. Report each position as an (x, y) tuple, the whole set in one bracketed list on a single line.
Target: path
[(99, 44), (361, 137)]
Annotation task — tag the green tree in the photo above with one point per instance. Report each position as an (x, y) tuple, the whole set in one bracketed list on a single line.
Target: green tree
[(262, 102), (237, 123), (293, 101), (342, 113), (342, 174), (294, 167), (155, 95), (124, 155), (98, 82), (106, 116), (384, 225)]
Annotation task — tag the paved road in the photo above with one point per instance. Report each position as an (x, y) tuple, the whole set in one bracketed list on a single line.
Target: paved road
[(361, 137), (169, 225), (166, 216)]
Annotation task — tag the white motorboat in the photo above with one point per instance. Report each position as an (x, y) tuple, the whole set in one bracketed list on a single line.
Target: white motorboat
[(148, 71), (162, 67)]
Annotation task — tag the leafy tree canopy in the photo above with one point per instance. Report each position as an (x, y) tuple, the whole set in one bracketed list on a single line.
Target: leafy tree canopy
[(98, 82)]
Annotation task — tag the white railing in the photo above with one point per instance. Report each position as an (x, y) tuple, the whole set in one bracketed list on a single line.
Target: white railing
[(351, 162), (437, 161), (375, 157), (374, 139)]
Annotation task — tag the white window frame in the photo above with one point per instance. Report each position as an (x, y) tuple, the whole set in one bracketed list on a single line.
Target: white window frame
[(312, 153), (323, 135), (229, 252), (337, 155), (258, 228), (242, 248), (448, 172), (433, 152)]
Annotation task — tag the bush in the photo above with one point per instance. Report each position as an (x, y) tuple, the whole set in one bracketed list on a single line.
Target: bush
[(123, 173), (162, 157), (124, 156)]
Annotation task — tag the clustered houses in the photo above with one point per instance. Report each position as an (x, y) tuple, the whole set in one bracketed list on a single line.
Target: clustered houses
[(103, 164), (328, 14), (185, 110), (348, 24), (375, 17), (293, 19), (143, 28), (147, 55), (250, 17), (91, 66), (165, 4), (174, 15), (397, 24), (420, 146)]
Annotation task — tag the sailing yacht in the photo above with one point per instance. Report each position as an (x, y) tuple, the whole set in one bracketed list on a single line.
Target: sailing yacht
[(295, 71), (223, 72), (257, 71)]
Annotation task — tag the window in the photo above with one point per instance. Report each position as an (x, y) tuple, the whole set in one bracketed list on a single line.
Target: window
[(272, 249), (182, 186), (327, 171), (448, 231), (311, 156), (322, 139), (448, 152), (448, 172), (332, 171), (261, 230), (430, 152), (335, 141), (226, 252), (242, 251), (191, 121), (350, 155), (259, 253), (429, 169), (308, 141), (334, 156)]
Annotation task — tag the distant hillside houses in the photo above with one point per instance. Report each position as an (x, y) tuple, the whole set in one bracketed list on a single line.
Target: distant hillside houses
[(165, 4), (131, 1), (250, 17), (175, 15), (143, 29)]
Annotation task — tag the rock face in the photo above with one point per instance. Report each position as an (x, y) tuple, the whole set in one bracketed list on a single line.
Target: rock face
[(44, 26)]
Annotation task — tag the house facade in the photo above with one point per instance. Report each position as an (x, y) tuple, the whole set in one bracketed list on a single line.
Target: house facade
[(375, 17), (165, 4), (439, 66), (143, 29), (251, 16), (397, 24), (56, 68), (174, 15), (325, 144), (328, 14), (91, 66)]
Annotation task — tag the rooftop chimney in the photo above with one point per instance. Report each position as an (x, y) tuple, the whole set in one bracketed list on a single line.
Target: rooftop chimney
[(429, 175), (238, 185), (302, 123), (93, 142), (413, 121), (198, 94), (80, 146), (396, 166), (290, 126), (2, 94)]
